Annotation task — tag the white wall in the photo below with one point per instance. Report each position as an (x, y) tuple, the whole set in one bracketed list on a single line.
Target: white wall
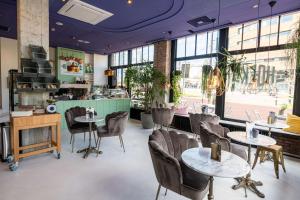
[(100, 64), (8, 60)]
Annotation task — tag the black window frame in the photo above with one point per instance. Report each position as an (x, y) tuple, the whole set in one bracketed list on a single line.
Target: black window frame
[(223, 43)]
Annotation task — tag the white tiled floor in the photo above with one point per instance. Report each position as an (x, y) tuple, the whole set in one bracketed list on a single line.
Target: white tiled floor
[(116, 175)]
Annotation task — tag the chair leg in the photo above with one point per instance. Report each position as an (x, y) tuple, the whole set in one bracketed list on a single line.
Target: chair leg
[(84, 138), (158, 190), (262, 156), (282, 161), (71, 138), (166, 192), (95, 138), (256, 157), (98, 145), (122, 142), (73, 141), (276, 163)]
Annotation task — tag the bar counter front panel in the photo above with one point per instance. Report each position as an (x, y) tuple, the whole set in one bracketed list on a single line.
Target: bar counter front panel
[(102, 106)]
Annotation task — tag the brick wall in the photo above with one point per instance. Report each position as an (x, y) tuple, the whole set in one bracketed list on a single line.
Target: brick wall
[(162, 62)]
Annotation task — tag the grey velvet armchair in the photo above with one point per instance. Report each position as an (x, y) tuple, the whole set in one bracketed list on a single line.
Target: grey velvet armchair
[(166, 148), (115, 124), (210, 132), (75, 127), (196, 118), (163, 117)]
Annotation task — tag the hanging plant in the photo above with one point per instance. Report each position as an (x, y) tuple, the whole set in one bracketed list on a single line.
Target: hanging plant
[(175, 84), (206, 75)]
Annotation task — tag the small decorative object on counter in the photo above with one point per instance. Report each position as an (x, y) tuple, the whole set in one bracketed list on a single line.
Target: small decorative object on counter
[(271, 117), (204, 109), (215, 151)]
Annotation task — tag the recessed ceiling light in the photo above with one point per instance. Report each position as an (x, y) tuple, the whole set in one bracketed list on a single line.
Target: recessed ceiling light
[(52, 29), (129, 2), (255, 6), (59, 23)]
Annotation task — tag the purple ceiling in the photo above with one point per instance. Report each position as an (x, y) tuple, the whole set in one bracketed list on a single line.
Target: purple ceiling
[(142, 22)]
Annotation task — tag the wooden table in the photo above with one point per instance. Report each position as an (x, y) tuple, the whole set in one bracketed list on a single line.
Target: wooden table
[(30, 122)]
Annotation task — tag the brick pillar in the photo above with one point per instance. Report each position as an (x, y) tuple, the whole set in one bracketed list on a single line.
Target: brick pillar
[(32, 25), (162, 61)]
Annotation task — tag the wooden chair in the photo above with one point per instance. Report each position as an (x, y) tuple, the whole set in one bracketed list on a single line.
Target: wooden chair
[(277, 153)]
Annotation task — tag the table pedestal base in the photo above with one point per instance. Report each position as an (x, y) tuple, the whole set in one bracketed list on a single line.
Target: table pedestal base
[(248, 183), (89, 150)]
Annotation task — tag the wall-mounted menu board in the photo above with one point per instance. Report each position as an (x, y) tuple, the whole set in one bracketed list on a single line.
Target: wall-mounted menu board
[(70, 64)]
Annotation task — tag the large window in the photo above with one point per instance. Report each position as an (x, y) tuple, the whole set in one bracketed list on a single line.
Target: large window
[(120, 61), (264, 88), (268, 79), (191, 84), (189, 51), (142, 54), (198, 44)]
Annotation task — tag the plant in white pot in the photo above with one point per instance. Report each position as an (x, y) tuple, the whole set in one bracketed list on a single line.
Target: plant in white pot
[(151, 83)]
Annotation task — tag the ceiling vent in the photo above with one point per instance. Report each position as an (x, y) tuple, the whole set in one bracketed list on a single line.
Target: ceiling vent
[(84, 12), (200, 21)]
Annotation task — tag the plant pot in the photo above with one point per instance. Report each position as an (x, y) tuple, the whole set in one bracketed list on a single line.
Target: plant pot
[(147, 121)]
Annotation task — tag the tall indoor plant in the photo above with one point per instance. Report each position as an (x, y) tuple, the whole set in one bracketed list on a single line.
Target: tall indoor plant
[(150, 84)]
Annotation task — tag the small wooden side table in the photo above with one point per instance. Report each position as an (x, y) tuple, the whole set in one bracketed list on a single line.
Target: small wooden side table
[(30, 122)]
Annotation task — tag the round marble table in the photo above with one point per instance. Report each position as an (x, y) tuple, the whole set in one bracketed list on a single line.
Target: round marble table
[(90, 148), (276, 125), (261, 140), (231, 165)]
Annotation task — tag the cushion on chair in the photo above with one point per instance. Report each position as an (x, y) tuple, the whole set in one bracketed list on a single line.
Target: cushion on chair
[(294, 124), (196, 118)]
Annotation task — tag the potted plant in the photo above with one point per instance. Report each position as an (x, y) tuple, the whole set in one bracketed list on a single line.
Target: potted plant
[(151, 84)]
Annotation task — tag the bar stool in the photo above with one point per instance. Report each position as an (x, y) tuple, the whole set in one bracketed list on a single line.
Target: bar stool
[(277, 154)]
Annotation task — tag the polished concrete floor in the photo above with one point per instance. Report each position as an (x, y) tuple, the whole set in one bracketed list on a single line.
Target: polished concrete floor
[(116, 175)]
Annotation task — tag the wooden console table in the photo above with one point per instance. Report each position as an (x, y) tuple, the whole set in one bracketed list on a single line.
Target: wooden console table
[(35, 121)]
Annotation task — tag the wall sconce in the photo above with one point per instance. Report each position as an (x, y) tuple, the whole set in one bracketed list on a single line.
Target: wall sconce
[(109, 72)]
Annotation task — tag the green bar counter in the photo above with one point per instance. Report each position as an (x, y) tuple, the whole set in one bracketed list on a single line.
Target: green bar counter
[(102, 106)]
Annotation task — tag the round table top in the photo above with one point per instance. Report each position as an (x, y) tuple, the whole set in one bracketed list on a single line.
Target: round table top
[(261, 140), (84, 119), (276, 125), (231, 165)]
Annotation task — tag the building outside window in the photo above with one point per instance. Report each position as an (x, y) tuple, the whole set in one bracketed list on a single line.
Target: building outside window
[(268, 78)]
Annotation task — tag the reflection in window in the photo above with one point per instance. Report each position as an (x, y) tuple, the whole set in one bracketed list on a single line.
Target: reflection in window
[(263, 88)]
